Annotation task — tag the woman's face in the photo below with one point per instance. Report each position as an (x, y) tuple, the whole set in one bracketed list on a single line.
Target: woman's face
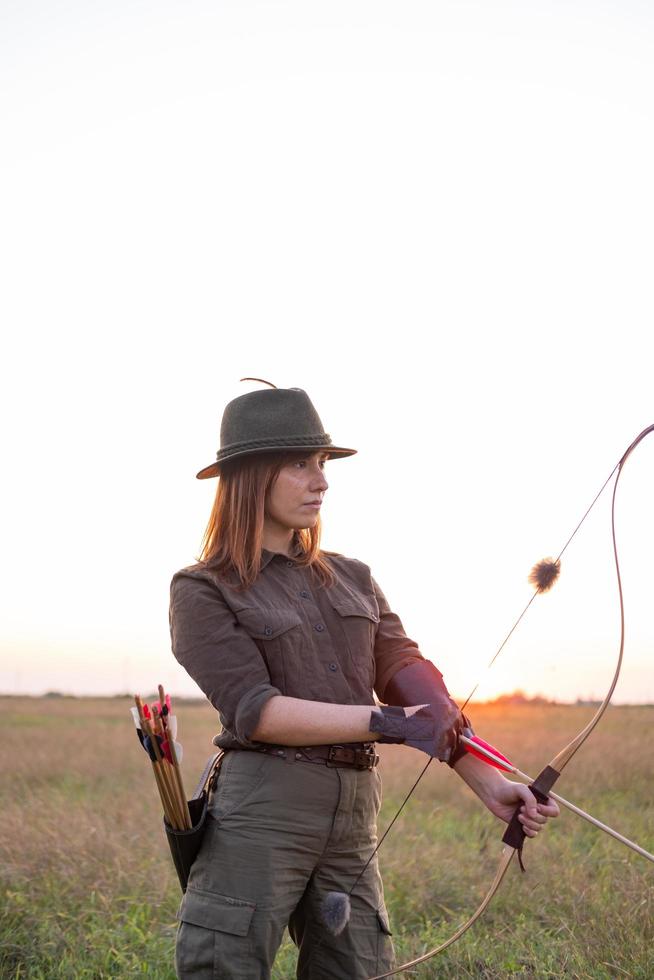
[(295, 497)]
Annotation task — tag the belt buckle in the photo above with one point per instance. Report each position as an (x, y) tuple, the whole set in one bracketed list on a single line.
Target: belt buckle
[(358, 758), (366, 758), (370, 756)]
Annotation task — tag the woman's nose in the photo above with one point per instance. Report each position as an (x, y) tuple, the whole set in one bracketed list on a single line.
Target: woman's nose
[(319, 483)]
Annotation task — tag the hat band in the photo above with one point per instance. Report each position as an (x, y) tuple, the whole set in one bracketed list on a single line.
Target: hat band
[(275, 442)]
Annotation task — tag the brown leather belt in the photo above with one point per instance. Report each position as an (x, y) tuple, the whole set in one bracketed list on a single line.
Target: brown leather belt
[(358, 755)]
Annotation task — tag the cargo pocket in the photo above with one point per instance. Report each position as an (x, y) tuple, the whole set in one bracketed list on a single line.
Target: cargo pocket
[(211, 930), (218, 912)]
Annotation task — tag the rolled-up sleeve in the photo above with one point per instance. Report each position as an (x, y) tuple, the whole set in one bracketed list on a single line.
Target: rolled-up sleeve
[(222, 659), (393, 648)]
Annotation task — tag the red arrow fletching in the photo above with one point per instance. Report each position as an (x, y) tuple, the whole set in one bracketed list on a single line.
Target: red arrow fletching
[(497, 762)]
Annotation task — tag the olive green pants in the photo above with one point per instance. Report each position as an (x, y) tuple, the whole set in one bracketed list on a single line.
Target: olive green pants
[(281, 834)]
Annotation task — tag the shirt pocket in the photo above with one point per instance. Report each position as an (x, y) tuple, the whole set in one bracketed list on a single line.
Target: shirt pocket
[(278, 634), (359, 619)]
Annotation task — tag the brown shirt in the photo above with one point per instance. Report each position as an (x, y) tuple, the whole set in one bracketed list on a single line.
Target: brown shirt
[(286, 634)]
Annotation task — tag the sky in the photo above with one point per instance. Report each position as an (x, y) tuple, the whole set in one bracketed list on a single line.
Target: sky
[(435, 217)]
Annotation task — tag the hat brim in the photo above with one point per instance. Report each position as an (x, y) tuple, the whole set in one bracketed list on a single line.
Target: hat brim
[(335, 452)]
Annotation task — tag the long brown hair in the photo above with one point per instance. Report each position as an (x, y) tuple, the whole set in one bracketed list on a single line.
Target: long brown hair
[(232, 540)]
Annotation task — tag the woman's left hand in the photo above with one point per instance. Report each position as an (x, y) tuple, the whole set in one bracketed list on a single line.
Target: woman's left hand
[(533, 815)]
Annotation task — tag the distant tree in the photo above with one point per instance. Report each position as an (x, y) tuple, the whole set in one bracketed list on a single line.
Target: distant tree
[(519, 697)]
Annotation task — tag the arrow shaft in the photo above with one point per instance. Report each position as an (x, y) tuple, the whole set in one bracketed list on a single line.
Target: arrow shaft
[(598, 823)]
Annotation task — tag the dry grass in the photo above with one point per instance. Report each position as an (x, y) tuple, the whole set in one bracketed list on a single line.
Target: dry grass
[(89, 891)]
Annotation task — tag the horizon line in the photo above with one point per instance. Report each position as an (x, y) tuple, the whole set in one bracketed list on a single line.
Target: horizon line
[(514, 699)]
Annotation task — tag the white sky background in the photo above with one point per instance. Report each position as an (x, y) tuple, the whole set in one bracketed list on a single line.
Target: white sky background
[(434, 217)]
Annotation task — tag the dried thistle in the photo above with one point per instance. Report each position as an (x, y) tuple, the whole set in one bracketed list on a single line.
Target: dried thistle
[(335, 911), (544, 574)]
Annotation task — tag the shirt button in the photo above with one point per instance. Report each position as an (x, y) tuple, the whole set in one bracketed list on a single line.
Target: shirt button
[(267, 630), (291, 564), (305, 594), (319, 627), (333, 666)]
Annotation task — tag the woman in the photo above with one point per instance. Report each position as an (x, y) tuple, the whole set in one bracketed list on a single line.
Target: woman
[(289, 643)]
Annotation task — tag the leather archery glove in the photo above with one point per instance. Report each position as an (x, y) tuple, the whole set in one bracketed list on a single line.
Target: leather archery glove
[(432, 728), (420, 682)]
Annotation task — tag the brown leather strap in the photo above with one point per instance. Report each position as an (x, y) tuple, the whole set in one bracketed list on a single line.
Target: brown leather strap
[(209, 775), (360, 755), (359, 758)]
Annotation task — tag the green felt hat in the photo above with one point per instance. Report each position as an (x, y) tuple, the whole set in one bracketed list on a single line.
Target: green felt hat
[(269, 420)]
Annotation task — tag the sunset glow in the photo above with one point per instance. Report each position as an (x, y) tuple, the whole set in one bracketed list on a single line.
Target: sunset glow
[(436, 219)]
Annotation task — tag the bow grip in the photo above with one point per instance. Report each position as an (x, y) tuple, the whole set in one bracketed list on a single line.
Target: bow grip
[(514, 835)]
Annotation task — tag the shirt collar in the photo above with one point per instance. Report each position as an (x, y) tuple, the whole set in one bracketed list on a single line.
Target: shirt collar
[(267, 556)]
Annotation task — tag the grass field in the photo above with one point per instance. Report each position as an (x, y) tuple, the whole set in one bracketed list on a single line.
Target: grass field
[(88, 889)]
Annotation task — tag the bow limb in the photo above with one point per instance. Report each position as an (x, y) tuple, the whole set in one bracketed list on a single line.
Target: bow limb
[(563, 757), (502, 868)]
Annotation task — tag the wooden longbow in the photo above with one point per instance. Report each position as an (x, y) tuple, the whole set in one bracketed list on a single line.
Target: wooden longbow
[(514, 836)]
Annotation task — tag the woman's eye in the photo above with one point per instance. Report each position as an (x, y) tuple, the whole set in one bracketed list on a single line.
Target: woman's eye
[(303, 462)]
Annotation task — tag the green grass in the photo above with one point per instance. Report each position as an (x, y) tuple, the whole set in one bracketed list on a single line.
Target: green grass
[(88, 890)]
